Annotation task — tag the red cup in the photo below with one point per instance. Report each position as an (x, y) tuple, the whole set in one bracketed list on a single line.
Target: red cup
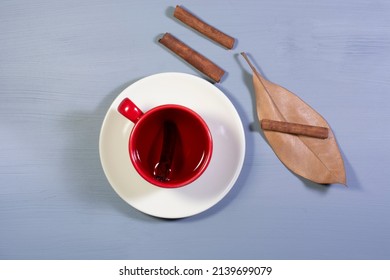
[(170, 145)]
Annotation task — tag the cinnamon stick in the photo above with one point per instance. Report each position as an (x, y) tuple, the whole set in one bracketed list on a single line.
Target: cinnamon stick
[(295, 128), (194, 58), (204, 28)]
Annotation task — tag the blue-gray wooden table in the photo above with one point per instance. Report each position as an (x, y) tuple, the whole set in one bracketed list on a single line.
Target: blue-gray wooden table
[(62, 63)]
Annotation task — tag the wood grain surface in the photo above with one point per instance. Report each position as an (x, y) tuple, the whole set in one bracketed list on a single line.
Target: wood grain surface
[(62, 63)]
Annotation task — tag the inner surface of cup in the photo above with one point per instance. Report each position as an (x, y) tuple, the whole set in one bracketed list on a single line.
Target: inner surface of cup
[(173, 137)]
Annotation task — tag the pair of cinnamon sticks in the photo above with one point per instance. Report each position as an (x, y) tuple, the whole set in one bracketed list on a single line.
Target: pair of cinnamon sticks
[(197, 60)]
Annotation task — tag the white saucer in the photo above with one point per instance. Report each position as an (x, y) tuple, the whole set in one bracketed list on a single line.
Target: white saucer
[(228, 146)]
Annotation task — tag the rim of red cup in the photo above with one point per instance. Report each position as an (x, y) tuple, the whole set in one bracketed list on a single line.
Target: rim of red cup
[(145, 175)]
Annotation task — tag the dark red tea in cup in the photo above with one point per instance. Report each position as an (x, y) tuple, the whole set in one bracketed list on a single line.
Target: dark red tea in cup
[(170, 145)]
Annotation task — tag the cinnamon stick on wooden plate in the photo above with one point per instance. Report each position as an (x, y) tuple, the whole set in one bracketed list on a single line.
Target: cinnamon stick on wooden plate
[(295, 128), (199, 25), (194, 58)]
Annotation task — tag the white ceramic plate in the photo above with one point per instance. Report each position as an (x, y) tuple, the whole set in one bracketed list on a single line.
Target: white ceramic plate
[(228, 146)]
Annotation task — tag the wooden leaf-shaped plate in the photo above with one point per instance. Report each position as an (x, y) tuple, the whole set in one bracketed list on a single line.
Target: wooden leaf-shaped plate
[(318, 160)]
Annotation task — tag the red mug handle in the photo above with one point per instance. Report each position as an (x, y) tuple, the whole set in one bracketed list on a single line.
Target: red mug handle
[(128, 109)]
